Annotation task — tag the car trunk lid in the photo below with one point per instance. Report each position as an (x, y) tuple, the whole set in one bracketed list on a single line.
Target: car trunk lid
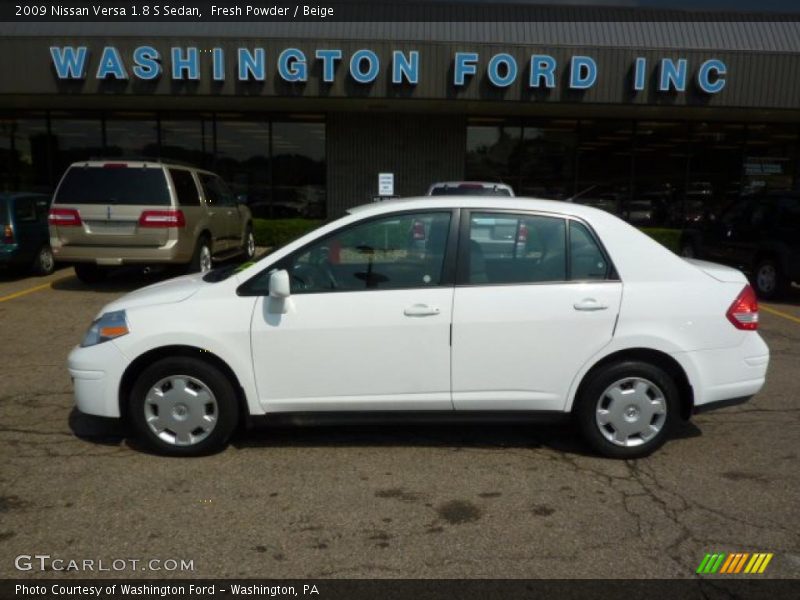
[(718, 272)]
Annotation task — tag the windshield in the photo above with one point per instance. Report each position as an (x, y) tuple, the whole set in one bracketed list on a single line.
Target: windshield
[(469, 191), (117, 185)]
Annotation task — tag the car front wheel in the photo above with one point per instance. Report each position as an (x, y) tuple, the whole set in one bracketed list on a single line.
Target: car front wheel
[(182, 406), (627, 409)]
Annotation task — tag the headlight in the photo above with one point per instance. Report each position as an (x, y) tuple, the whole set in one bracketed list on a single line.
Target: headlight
[(109, 326)]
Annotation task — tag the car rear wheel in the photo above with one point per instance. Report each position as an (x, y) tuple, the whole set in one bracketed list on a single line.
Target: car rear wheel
[(183, 406), (201, 260), (768, 280), (627, 409), (90, 273), (45, 262)]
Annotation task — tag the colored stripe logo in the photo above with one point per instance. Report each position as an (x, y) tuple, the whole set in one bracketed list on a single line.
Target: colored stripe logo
[(734, 563)]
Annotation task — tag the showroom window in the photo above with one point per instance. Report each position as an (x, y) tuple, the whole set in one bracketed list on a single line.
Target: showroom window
[(24, 154), (276, 165)]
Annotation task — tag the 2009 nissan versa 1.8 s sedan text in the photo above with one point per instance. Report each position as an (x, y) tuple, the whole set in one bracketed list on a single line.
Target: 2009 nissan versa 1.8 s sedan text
[(452, 305)]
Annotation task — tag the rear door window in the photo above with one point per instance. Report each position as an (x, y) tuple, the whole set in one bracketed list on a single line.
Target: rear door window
[(508, 248), (586, 259), (25, 210), (185, 187), (116, 185)]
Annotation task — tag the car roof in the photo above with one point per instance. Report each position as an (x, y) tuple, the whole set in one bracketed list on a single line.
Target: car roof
[(560, 207), (137, 163), (460, 183)]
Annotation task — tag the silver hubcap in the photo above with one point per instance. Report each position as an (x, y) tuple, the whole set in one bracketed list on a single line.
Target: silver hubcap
[(205, 259), (46, 259), (766, 278), (631, 412), (251, 245), (181, 410)]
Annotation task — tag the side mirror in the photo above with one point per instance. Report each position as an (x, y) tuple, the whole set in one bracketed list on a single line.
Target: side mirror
[(279, 284)]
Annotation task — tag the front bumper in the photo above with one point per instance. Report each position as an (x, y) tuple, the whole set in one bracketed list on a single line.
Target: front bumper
[(96, 374)]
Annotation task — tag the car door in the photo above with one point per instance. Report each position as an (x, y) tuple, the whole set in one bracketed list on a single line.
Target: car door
[(527, 315), (218, 211), (725, 236), (368, 326)]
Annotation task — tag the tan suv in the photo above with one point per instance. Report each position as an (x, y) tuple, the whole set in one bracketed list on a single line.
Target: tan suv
[(111, 213)]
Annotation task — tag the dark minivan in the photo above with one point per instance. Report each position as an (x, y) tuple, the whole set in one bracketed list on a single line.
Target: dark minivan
[(759, 235), (24, 236)]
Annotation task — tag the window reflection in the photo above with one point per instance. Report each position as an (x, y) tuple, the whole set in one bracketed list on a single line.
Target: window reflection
[(74, 140), (131, 135), (242, 160), (24, 154), (298, 156), (189, 141)]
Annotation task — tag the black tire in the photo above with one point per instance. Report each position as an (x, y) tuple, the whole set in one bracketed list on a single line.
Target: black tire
[(769, 282), (226, 412), (196, 264), (248, 249), (592, 393), (90, 273), (45, 262)]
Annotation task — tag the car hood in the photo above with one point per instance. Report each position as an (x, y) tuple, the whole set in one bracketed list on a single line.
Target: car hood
[(718, 272), (164, 292)]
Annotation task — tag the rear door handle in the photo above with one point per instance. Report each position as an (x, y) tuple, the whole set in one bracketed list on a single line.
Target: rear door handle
[(589, 304), (421, 310)]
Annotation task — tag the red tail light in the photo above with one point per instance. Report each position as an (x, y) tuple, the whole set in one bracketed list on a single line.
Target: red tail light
[(8, 234), (64, 217), (522, 234), (162, 218), (418, 230), (743, 313)]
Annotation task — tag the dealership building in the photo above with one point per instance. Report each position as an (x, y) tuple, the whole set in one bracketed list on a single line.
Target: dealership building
[(665, 118)]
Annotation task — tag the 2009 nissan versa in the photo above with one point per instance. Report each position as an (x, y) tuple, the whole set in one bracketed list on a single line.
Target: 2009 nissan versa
[(445, 305)]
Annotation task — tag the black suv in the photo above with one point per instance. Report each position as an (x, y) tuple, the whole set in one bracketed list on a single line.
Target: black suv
[(758, 234)]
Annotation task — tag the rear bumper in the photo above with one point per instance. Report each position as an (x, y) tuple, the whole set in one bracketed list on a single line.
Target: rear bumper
[(726, 376), (177, 251)]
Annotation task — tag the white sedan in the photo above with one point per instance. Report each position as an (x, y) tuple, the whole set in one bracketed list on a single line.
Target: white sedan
[(478, 307)]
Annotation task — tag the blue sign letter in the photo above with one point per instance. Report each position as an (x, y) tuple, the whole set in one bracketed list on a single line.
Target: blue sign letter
[(543, 67), (494, 70), (583, 73), (405, 67), (111, 64), (672, 75), (189, 63), (328, 58), (146, 63), (640, 74), (69, 63), (703, 76), (465, 65), (359, 56), (292, 65), (218, 64), (252, 64)]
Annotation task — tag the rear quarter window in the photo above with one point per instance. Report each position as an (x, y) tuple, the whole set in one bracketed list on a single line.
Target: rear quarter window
[(115, 185)]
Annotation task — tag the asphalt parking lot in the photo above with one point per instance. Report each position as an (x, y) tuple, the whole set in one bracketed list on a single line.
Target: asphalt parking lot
[(369, 501)]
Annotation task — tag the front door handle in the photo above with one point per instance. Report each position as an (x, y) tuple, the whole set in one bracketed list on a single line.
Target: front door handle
[(589, 304), (421, 310)]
